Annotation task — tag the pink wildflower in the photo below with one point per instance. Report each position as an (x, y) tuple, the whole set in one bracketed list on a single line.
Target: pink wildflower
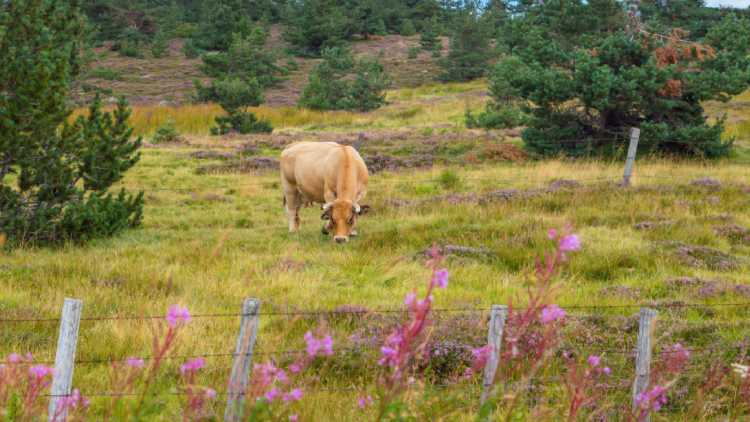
[(294, 395), (388, 355), (135, 363), (293, 418), (177, 315), (552, 234), (295, 368), (441, 278), (14, 358), (273, 394), (570, 243), (40, 371), (192, 365), (552, 313), (364, 401), (74, 401), (594, 361), (606, 370), (315, 346), (652, 400), (327, 345), (210, 394), (410, 299)]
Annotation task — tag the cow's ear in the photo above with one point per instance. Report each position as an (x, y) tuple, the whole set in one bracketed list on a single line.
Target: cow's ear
[(326, 212), (363, 209)]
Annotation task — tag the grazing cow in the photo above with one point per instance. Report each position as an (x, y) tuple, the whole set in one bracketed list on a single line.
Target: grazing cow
[(327, 173)]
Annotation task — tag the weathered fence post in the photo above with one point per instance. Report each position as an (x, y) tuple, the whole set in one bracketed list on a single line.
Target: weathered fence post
[(243, 357), (646, 325), (498, 314), (635, 133), (67, 341)]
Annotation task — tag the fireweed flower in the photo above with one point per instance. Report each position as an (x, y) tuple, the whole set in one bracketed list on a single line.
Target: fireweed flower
[(594, 361), (177, 315), (552, 234), (293, 418), (410, 299), (14, 358), (294, 395), (136, 363), (440, 279), (363, 402), (570, 243), (552, 313), (315, 346), (273, 394), (40, 371), (74, 401), (210, 394), (192, 365), (652, 400)]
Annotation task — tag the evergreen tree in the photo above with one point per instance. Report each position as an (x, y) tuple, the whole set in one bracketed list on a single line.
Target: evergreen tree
[(160, 45), (469, 51), (330, 86), (428, 38), (312, 25), (55, 175), (221, 20), (367, 18), (240, 76), (584, 100), (407, 28)]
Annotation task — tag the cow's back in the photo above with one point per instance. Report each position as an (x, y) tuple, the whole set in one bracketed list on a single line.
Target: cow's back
[(307, 164)]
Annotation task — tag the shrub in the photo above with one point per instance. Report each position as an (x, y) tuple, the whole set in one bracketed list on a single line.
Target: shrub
[(104, 73), (61, 172), (242, 122), (407, 28), (160, 45), (329, 88), (428, 38), (469, 51), (313, 25), (413, 52), (166, 133), (190, 50), (496, 117), (449, 179), (130, 43)]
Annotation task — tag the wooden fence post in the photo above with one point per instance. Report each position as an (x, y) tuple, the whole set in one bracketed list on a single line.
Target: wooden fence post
[(67, 341), (635, 134), (498, 314), (243, 357), (646, 325)]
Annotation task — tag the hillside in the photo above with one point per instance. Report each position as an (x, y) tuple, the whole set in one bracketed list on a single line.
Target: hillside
[(169, 80)]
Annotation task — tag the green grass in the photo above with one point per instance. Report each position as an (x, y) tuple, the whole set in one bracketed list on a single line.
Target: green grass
[(209, 241)]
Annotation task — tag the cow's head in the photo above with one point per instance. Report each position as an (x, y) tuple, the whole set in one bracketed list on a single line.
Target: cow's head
[(342, 216)]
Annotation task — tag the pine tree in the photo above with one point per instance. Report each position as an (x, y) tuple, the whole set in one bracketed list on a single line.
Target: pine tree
[(221, 20), (331, 87), (55, 175), (583, 101), (428, 38), (312, 25), (240, 76), (469, 51)]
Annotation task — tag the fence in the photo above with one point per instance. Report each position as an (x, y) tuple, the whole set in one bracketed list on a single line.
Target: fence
[(244, 350), (242, 356)]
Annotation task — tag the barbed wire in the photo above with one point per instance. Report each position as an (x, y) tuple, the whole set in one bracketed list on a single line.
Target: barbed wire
[(393, 311)]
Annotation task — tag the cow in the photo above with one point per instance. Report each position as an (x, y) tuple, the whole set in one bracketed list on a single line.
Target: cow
[(327, 173)]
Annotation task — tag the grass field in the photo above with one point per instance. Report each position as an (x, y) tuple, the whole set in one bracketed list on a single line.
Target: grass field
[(210, 239)]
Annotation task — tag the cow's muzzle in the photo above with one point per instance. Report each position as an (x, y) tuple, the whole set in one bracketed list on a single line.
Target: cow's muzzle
[(340, 239)]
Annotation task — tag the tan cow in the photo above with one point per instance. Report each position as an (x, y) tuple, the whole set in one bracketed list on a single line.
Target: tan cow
[(327, 173)]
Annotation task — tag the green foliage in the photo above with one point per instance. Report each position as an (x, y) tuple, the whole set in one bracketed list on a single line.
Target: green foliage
[(106, 73), (220, 21), (130, 43), (160, 45), (246, 58), (469, 51), (449, 179), (496, 117), (330, 88), (313, 25), (166, 133), (407, 28), (367, 19), (583, 101), (54, 175), (413, 52), (428, 38), (242, 122)]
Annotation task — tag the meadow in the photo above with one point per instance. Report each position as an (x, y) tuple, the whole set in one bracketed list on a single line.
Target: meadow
[(214, 233)]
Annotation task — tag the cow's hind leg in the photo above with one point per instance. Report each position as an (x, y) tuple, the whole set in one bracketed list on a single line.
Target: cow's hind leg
[(292, 204)]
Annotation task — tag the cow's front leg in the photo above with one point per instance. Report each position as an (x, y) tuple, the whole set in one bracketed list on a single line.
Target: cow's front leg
[(292, 204)]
